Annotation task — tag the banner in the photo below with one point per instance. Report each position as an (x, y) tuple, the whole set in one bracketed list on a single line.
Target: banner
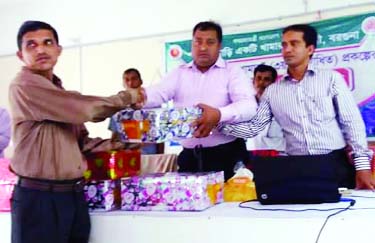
[(345, 44)]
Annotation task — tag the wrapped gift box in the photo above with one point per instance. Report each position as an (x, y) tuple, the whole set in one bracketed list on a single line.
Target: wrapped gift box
[(172, 191), (215, 187), (113, 164), (373, 161), (103, 195), (239, 189), (155, 125), (6, 189), (241, 186), (7, 182)]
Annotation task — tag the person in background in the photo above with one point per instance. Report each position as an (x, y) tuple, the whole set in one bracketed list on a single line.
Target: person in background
[(271, 138), (132, 80), (4, 130), (221, 90), (50, 141), (315, 109)]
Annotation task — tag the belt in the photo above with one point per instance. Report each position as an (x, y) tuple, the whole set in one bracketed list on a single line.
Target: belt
[(50, 186)]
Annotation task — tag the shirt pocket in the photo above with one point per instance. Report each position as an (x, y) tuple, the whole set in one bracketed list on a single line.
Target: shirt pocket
[(320, 108)]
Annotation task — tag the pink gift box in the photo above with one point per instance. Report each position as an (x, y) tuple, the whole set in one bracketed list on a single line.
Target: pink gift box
[(172, 191), (373, 161), (7, 182)]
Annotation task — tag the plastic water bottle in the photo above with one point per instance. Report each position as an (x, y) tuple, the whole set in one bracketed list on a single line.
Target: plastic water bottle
[(238, 165)]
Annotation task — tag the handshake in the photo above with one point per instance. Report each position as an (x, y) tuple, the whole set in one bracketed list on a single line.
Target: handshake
[(138, 97)]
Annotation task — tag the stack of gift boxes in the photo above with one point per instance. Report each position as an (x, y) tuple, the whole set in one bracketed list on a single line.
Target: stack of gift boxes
[(114, 180), (105, 170), (162, 191)]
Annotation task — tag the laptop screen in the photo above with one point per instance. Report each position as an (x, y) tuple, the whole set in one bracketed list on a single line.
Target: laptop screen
[(296, 179)]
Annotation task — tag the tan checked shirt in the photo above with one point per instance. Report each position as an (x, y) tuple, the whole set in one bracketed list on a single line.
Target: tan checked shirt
[(48, 133)]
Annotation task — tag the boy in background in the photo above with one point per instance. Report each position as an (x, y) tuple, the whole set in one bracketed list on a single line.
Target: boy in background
[(132, 81)]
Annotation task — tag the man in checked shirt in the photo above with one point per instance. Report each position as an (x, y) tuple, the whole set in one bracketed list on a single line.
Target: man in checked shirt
[(315, 109)]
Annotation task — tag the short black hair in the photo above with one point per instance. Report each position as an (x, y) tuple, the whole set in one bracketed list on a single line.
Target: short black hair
[(209, 25), (32, 25), (310, 36), (265, 68), (129, 70)]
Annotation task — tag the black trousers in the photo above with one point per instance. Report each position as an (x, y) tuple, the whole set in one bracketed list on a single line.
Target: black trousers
[(49, 217), (219, 158)]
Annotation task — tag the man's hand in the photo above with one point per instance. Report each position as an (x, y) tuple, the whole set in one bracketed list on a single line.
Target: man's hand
[(142, 95), (209, 119), (141, 99), (364, 180)]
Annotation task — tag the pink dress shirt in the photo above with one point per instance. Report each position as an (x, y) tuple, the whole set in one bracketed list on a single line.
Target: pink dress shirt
[(224, 86)]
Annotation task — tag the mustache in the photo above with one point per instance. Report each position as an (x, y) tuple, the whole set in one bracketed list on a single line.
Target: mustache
[(42, 56)]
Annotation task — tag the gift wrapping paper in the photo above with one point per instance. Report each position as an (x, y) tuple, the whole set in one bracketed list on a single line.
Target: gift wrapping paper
[(113, 164), (373, 161), (7, 182), (155, 125), (102, 195), (172, 191)]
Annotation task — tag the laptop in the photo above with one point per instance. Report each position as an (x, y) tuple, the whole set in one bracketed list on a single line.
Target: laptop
[(304, 179)]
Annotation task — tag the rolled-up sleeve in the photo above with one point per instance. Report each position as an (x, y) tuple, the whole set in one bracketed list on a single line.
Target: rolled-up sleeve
[(242, 94), (351, 123)]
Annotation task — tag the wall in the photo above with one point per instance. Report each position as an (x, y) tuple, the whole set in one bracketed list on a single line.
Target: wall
[(96, 69)]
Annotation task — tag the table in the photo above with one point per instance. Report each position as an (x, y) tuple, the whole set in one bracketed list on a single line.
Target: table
[(227, 222)]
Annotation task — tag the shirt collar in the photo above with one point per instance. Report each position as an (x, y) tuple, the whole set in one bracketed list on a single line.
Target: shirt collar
[(55, 80), (220, 63), (310, 72)]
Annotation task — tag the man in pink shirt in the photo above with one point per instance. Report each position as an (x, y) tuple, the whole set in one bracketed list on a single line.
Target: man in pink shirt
[(221, 90)]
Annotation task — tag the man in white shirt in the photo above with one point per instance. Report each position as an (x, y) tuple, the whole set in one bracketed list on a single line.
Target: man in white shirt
[(315, 109), (271, 138)]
